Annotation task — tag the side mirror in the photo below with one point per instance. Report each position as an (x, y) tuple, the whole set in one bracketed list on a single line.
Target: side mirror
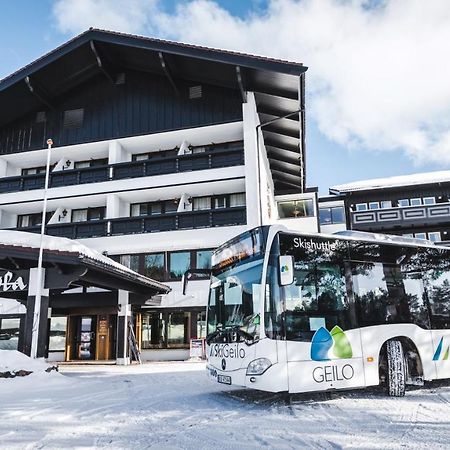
[(192, 272), (286, 269)]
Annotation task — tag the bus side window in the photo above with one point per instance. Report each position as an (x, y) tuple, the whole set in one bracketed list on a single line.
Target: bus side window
[(438, 290)]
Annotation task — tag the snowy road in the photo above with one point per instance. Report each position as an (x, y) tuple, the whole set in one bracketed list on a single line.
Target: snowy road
[(172, 405)]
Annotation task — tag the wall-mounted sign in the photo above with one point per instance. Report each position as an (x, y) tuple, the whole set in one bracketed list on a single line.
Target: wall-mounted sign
[(10, 281)]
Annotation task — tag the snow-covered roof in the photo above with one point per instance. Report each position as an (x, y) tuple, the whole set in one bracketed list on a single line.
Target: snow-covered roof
[(24, 240), (397, 181)]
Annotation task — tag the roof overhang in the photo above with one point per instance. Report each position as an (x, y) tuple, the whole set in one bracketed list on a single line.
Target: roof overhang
[(278, 85)]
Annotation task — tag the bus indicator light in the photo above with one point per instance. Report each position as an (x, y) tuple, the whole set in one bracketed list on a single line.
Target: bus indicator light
[(370, 359)]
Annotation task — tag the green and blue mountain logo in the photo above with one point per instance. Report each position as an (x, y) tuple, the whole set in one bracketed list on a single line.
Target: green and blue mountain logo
[(323, 341), (438, 352)]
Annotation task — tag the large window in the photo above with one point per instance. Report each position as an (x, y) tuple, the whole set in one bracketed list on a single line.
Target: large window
[(9, 333), (131, 261), (295, 209), (32, 220), (166, 329), (88, 214), (57, 334), (154, 266), (179, 262), (332, 215)]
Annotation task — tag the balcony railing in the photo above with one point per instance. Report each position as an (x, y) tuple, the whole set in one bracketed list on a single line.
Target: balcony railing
[(146, 224), (401, 217), (154, 166)]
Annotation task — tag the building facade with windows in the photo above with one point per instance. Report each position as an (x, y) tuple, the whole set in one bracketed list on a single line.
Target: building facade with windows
[(411, 205), (162, 151)]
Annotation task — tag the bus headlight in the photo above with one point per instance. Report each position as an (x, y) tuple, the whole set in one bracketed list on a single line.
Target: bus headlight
[(258, 366)]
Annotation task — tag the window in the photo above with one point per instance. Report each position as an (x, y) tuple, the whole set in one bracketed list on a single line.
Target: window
[(420, 235), (429, 200), (361, 207), (146, 209), (333, 215), (386, 204), (171, 205), (295, 209), (88, 214), (9, 333), (203, 258), (178, 329), (57, 334), (403, 202), (32, 220), (130, 261), (374, 205), (34, 170), (166, 329), (201, 325), (91, 163), (201, 203), (325, 216), (142, 157), (220, 202), (154, 266), (179, 263), (434, 236), (73, 118), (415, 201), (195, 92), (237, 199), (439, 292)]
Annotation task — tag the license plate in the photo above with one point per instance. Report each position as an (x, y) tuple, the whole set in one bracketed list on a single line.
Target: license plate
[(224, 379)]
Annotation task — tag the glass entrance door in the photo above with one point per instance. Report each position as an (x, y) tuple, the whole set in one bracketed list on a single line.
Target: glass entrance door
[(86, 336)]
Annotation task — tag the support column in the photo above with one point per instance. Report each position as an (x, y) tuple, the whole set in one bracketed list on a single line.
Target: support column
[(123, 318), (36, 318)]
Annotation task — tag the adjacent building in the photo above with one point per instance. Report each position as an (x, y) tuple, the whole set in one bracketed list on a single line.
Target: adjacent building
[(161, 152), (412, 205)]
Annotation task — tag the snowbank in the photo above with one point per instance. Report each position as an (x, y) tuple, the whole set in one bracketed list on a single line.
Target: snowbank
[(14, 363)]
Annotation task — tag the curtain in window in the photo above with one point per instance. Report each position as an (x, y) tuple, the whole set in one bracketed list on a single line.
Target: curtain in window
[(237, 200), (202, 203)]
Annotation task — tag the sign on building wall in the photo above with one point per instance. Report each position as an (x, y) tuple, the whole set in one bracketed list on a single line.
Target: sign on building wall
[(14, 281)]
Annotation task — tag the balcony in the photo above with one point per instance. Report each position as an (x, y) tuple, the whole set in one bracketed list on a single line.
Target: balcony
[(134, 169), (147, 224), (401, 217)]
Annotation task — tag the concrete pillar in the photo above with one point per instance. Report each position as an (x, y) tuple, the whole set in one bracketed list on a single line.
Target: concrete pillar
[(36, 318), (123, 318), (117, 154)]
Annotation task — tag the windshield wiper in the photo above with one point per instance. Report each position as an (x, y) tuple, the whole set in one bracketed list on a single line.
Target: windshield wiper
[(227, 332)]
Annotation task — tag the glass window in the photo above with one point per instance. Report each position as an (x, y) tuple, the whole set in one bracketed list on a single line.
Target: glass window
[(171, 205), (434, 236), (410, 235), (294, 209), (155, 208), (178, 329), (374, 205), (439, 291), (220, 202), (429, 200), (325, 216), (403, 202), (96, 213), (79, 215), (361, 207), (338, 215), (386, 204), (153, 330), (57, 339), (201, 325), (200, 203), (415, 201), (420, 235), (142, 157), (204, 259), (179, 263), (130, 261), (82, 164), (237, 199), (9, 333), (135, 210), (154, 266)]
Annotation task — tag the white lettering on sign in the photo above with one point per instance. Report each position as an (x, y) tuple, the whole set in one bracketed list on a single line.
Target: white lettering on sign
[(6, 283), (311, 245)]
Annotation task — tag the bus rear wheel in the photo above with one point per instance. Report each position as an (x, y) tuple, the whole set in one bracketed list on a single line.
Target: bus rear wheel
[(396, 369)]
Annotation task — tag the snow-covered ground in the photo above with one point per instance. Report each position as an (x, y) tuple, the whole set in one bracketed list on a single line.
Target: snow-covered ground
[(173, 405)]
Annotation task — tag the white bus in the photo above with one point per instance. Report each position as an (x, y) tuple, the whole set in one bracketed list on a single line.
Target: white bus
[(291, 312)]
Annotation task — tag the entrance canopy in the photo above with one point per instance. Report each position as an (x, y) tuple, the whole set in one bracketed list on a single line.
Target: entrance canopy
[(67, 264)]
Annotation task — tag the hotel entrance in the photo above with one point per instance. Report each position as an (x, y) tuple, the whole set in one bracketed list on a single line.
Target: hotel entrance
[(91, 337)]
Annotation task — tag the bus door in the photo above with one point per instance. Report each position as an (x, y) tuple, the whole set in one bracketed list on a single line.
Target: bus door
[(323, 344)]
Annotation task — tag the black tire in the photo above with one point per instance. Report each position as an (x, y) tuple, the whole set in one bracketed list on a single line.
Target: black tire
[(396, 369)]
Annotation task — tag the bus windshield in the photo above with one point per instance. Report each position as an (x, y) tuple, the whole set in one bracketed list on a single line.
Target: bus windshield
[(234, 301)]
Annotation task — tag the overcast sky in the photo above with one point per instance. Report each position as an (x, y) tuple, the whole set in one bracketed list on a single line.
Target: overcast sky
[(378, 93)]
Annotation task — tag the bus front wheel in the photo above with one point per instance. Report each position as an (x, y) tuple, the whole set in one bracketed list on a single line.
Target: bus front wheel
[(396, 369)]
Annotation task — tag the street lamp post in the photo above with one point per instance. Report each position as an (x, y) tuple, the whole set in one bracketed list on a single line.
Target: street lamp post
[(39, 279)]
